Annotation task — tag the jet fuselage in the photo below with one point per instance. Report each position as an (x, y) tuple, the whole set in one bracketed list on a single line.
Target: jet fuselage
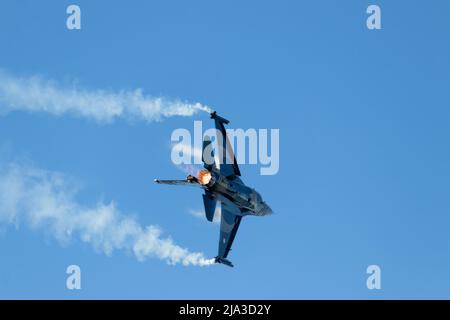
[(247, 199)]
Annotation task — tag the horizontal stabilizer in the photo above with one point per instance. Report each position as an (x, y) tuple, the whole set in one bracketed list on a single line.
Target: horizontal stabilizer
[(210, 206)]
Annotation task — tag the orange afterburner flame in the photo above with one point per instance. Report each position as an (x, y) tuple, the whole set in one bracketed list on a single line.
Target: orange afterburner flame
[(204, 177)]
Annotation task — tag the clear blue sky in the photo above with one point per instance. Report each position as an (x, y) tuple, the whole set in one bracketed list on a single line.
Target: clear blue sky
[(364, 119)]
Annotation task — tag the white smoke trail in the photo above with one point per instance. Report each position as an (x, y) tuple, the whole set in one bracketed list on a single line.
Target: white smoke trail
[(36, 94), (45, 200)]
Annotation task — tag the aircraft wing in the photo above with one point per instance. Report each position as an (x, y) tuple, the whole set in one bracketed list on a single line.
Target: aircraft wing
[(229, 225), (227, 160)]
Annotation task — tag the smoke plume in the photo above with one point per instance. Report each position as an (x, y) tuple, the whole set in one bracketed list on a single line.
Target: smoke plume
[(37, 94), (43, 200)]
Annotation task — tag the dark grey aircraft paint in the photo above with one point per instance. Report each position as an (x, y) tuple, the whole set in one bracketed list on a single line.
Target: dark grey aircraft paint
[(221, 182)]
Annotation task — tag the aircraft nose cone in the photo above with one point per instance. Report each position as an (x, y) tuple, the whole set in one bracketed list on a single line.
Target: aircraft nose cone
[(264, 209)]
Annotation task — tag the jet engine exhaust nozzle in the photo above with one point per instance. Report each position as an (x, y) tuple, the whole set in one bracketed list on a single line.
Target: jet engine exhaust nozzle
[(205, 178)]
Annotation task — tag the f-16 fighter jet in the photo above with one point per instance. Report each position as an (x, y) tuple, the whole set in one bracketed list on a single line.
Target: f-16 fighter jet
[(221, 183)]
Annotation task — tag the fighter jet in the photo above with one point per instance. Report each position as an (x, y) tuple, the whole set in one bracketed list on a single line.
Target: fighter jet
[(221, 183)]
